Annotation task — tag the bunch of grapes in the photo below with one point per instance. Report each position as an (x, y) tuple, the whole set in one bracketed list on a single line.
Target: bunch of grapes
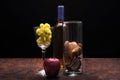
[(45, 34)]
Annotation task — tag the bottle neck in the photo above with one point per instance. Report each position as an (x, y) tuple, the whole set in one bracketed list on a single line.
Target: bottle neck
[(60, 19), (59, 23)]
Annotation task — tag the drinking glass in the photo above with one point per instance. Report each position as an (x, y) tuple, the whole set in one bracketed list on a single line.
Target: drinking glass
[(72, 53), (42, 46)]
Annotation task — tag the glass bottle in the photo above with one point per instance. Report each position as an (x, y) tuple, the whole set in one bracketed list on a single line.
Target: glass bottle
[(58, 35)]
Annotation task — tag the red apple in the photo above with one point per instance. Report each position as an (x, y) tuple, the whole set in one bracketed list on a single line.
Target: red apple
[(52, 67)]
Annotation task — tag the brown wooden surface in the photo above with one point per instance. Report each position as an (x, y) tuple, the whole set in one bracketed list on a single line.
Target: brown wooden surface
[(27, 69)]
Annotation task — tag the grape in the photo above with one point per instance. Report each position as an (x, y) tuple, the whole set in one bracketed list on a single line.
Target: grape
[(47, 25), (41, 25)]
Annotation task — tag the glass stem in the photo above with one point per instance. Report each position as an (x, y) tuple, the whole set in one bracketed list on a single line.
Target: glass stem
[(43, 53)]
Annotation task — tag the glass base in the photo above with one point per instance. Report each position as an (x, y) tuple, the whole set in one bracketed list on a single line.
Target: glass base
[(73, 73), (42, 73)]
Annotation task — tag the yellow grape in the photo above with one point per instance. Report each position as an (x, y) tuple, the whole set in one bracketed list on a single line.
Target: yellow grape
[(47, 25), (48, 31), (41, 25), (38, 31)]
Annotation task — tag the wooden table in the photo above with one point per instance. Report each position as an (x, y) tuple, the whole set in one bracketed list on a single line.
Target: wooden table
[(27, 69)]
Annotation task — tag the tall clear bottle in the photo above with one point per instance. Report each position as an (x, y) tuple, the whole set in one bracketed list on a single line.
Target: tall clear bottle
[(58, 35)]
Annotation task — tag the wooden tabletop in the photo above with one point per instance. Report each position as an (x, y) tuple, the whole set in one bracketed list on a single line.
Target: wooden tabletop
[(27, 69)]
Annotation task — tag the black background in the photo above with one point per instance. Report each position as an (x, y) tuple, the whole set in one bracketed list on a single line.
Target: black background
[(101, 19)]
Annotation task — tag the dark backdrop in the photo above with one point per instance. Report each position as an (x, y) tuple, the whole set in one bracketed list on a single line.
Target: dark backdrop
[(100, 22)]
